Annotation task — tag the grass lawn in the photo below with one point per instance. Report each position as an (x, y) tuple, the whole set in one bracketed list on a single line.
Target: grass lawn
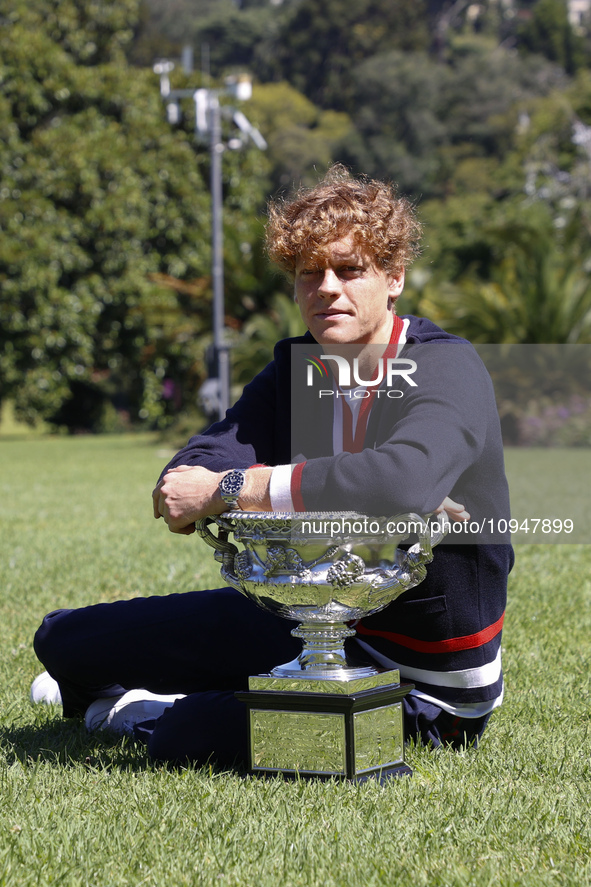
[(75, 809)]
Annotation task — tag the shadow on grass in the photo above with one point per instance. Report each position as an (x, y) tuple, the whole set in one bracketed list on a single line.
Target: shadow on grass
[(67, 742)]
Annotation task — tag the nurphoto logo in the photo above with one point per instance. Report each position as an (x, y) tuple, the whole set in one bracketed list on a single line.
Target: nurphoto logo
[(349, 377)]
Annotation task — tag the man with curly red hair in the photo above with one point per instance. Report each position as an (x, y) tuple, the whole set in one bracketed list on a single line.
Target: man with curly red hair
[(166, 668)]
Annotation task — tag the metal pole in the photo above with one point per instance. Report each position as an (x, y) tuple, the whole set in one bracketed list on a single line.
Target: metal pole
[(221, 356), (208, 121)]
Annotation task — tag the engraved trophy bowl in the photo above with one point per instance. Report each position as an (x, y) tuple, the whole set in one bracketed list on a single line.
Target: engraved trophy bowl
[(323, 570)]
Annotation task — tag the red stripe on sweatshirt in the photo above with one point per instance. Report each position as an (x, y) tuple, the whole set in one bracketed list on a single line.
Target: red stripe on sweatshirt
[(450, 645)]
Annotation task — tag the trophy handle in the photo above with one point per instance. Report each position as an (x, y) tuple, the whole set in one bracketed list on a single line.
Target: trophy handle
[(224, 550), (422, 551), (439, 527), (410, 568)]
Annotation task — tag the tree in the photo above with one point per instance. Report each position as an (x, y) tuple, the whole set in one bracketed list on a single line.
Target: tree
[(548, 32), (416, 119), (537, 289), (554, 146), (261, 333), (101, 202), (302, 138), (224, 35), (316, 46), (312, 46)]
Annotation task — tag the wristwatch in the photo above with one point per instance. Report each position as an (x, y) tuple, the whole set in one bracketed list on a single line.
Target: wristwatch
[(231, 486)]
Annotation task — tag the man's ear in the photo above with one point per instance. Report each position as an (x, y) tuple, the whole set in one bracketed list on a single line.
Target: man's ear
[(395, 287), (396, 284)]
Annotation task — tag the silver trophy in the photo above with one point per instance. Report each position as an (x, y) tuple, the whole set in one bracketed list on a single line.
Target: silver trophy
[(323, 714)]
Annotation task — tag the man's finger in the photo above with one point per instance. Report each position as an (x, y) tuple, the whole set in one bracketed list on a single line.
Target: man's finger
[(185, 531), (156, 502), (453, 509)]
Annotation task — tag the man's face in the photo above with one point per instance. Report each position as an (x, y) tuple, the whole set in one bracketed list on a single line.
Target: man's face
[(344, 297)]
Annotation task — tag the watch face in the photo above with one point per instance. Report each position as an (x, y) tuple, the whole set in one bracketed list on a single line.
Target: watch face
[(231, 484)]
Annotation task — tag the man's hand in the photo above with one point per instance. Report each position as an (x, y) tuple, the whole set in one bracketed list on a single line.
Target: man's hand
[(190, 492), (454, 510), (186, 494)]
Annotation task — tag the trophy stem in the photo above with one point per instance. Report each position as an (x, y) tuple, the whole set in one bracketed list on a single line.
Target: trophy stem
[(323, 654)]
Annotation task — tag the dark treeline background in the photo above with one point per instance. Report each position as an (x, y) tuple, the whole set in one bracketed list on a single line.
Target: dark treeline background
[(481, 112)]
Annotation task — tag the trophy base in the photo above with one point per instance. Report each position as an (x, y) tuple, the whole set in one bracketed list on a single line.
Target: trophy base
[(327, 728)]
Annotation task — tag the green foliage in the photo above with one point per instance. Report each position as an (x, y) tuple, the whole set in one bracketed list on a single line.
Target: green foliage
[(567, 424), (91, 32), (234, 37), (513, 267), (260, 334), (549, 33), (101, 204), (553, 147), (417, 120), (168, 25), (313, 47), (104, 209), (318, 46), (302, 138), (532, 286)]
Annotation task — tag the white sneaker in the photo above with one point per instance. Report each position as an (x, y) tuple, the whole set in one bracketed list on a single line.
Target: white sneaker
[(122, 713), (45, 689)]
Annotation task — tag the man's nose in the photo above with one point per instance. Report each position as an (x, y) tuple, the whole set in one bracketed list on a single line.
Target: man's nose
[(330, 285)]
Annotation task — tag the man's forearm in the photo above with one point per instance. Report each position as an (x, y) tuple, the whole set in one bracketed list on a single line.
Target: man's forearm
[(186, 494), (255, 495)]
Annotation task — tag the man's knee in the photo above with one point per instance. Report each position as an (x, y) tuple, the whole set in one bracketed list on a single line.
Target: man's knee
[(50, 637)]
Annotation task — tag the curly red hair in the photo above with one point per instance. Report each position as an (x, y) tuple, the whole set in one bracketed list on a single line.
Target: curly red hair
[(382, 223)]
